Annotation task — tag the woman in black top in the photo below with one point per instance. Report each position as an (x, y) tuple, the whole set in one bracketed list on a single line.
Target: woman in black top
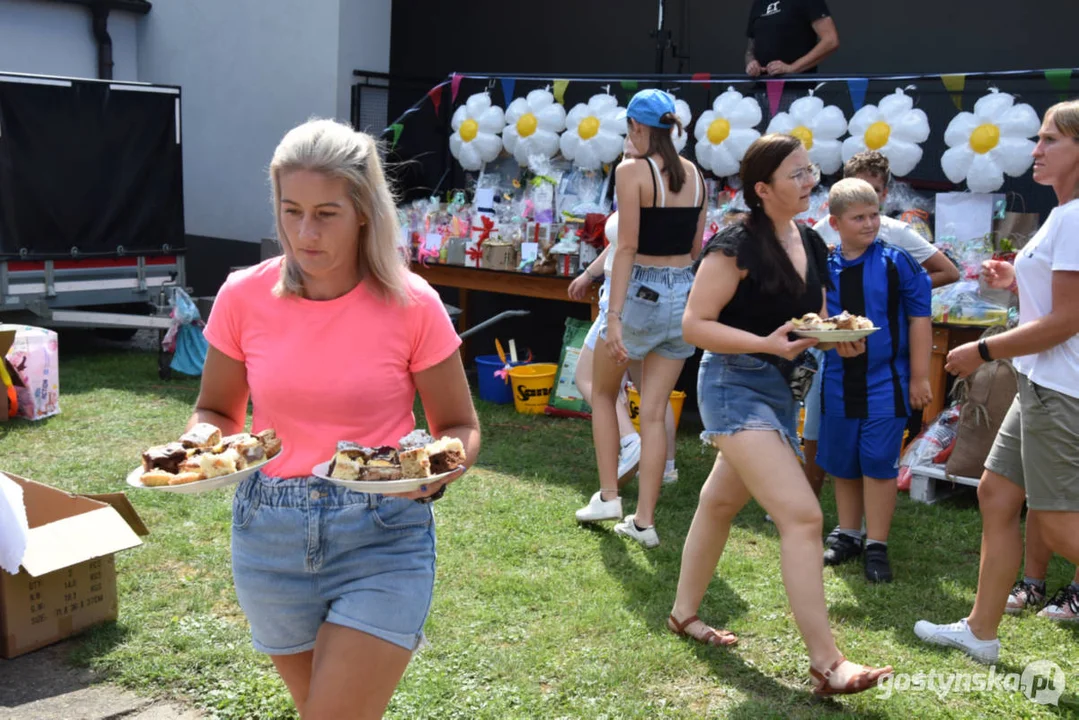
[(767, 270)]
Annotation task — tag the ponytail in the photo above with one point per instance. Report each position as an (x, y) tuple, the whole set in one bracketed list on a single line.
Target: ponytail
[(660, 143)]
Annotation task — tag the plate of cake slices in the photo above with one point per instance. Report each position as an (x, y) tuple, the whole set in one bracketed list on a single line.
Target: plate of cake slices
[(418, 460), (203, 460), (838, 328)]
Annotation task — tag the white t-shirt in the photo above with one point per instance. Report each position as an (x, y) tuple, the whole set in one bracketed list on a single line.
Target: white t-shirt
[(892, 231), (610, 229), (1054, 247)]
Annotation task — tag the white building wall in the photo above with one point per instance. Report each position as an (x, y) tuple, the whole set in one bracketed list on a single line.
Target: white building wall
[(364, 42), (55, 38), (249, 70)]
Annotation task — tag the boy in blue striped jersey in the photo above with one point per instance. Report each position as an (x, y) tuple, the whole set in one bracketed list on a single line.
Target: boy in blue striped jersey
[(867, 399)]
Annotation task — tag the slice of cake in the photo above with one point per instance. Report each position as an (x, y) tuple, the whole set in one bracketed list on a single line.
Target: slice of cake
[(164, 457), (415, 463), (156, 478), (348, 461), (446, 454), (270, 442), (415, 439), (202, 435), (186, 477), (218, 464), (382, 464)]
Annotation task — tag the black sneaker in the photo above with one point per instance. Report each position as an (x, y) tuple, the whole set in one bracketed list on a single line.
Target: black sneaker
[(877, 567), (844, 549)]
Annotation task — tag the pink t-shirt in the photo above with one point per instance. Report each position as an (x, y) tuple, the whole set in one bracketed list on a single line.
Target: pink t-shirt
[(329, 370)]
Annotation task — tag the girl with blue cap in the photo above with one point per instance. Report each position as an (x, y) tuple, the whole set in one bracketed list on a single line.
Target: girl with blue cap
[(661, 213)]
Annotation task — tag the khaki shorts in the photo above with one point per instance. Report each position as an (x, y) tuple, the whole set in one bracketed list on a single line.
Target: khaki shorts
[(1037, 447)]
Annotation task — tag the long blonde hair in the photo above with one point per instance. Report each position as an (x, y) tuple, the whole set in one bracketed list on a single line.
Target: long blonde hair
[(338, 151)]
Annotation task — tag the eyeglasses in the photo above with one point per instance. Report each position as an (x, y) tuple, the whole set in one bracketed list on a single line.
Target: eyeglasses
[(811, 172)]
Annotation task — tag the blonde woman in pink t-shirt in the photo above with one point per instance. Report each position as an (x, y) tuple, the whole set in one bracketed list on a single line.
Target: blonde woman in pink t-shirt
[(331, 341)]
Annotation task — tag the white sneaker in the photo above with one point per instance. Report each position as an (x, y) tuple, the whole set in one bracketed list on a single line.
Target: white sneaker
[(646, 537), (629, 457), (599, 509), (958, 635), (670, 477)]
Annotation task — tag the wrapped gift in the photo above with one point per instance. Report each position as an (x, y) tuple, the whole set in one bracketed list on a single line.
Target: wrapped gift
[(456, 247), (499, 255), (567, 264), (34, 355)]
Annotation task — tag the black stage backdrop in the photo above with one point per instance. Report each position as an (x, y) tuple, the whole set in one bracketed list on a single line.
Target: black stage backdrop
[(88, 169)]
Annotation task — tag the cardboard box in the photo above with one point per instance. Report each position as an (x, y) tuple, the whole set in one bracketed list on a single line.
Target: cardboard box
[(67, 581)]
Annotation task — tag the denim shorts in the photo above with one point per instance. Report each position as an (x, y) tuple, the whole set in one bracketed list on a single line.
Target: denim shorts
[(742, 392), (655, 325), (306, 551), (597, 324)]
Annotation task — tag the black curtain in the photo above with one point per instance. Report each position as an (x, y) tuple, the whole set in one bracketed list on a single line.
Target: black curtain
[(90, 169)]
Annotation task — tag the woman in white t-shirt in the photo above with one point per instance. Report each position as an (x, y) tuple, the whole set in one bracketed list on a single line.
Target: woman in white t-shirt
[(1036, 454)]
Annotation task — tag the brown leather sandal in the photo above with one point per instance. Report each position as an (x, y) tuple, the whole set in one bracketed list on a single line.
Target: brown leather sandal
[(715, 638), (868, 678)]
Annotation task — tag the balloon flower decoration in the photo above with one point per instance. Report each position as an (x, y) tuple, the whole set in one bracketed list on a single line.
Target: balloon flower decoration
[(726, 131), (895, 128), (681, 109), (818, 127), (476, 128), (990, 142), (594, 134), (532, 126)]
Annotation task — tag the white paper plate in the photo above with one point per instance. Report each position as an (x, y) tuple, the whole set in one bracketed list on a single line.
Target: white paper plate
[(828, 336), (405, 485), (134, 479)]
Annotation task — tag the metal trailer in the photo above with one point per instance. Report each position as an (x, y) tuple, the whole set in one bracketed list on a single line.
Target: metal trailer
[(91, 204)]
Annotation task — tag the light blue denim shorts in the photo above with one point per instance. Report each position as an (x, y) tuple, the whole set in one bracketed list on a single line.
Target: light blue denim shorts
[(306, 551), (655, 325), (597, 324), (742, 392)]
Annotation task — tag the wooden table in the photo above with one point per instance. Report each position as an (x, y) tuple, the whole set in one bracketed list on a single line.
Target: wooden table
[(548, 287), (945, 338)]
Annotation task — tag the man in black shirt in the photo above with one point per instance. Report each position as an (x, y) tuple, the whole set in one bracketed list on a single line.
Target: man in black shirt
[(789, 36)]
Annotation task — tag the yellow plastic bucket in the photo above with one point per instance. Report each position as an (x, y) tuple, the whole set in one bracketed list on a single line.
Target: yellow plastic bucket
[(677, 399), (532, 386)]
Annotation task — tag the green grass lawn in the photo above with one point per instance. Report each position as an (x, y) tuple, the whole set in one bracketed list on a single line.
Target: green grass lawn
[(534, 617)]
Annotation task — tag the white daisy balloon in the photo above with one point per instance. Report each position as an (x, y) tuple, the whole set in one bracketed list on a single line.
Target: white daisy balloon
[(818, 127), (894, 128), (990, 142), (681, 109), (724, 132), (532, 126), (476, 128), (594, 134)]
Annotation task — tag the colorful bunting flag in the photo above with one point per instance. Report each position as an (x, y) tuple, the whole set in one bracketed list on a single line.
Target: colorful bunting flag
[(559, 88), (508, 84), (397, 128), (955, 85), (857, 88), (1060, 80), (455, 85), (435, 94), (705, 78), (630, 86), (775, 94)]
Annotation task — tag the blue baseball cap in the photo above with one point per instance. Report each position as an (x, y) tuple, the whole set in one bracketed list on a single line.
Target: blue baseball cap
[(648, 106)]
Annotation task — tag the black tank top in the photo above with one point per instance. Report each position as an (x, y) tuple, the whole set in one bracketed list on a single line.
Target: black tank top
[(666, 231), (753, 310)]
